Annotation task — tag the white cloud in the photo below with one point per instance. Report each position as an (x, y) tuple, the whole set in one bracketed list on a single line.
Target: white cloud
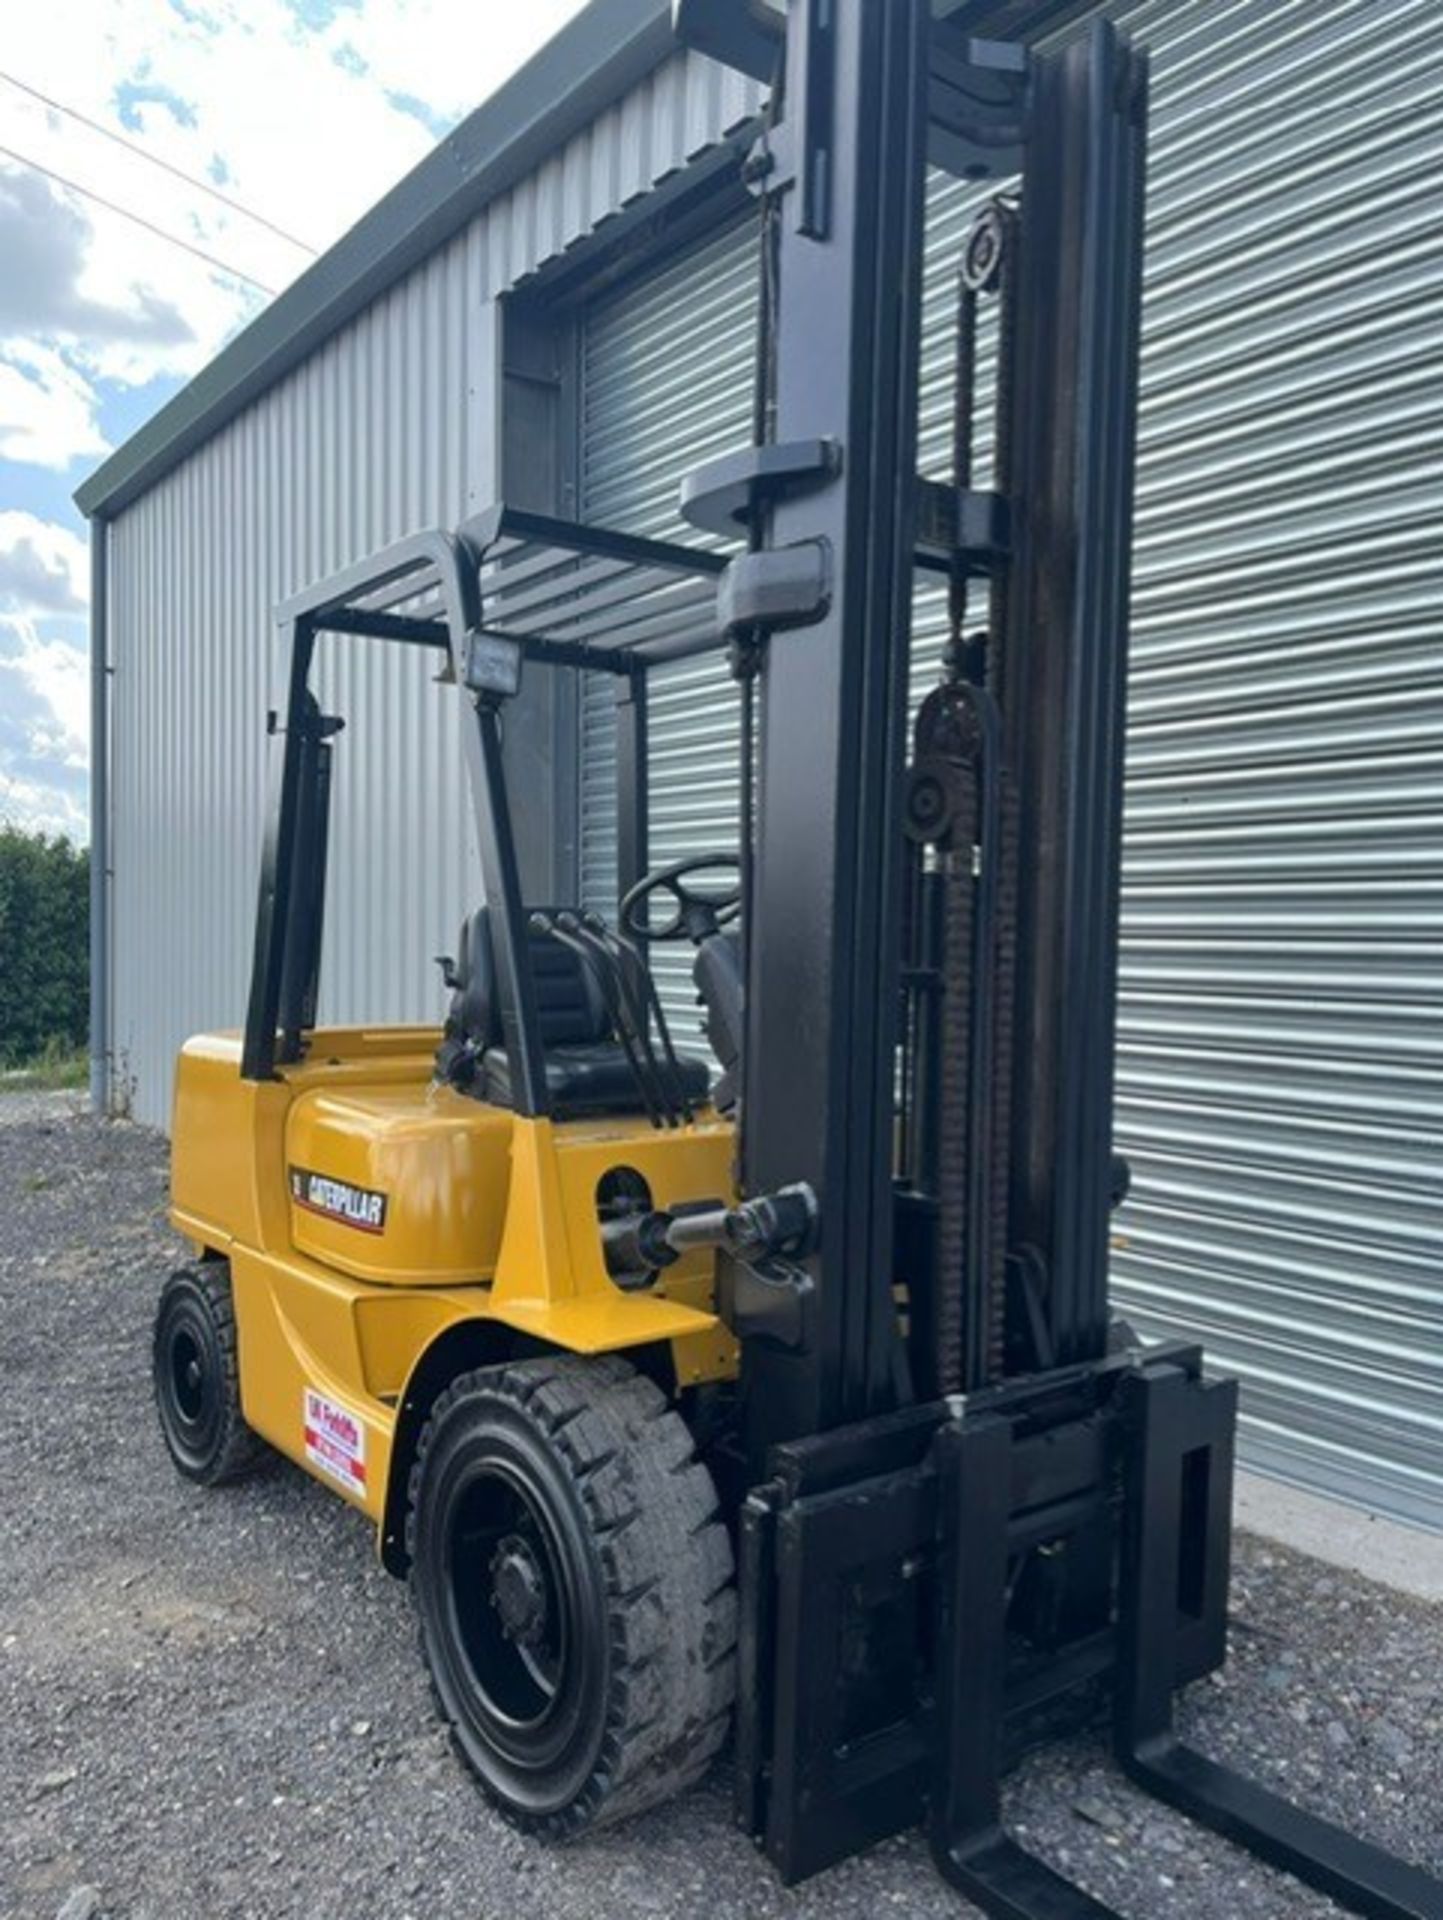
[(45, 241), (43, 567), (44, 730), (44, 676), (431, 50), (305, 111), (48, 408), (42, 807), (58, 674)]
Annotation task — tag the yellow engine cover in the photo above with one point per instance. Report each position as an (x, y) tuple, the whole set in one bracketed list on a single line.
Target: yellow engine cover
[(402, 1185)]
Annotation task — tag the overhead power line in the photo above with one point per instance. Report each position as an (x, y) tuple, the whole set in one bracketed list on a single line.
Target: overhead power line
[(112, 206), (179, 173)]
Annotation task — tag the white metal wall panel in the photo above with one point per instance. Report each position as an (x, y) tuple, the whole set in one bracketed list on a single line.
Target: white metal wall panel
[(1281, 1051), (364, 442), (386, 428)]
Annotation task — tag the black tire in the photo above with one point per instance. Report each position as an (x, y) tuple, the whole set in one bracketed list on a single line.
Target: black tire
[(196, 1374), (573, 1589)]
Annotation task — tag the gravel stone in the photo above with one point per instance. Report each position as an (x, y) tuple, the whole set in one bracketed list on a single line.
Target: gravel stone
[(55, 1782), (82, 1904), (198, 1665)]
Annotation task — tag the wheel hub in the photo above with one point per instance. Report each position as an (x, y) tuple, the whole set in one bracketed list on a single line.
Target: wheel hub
[(187, 1367), (518, 1591)]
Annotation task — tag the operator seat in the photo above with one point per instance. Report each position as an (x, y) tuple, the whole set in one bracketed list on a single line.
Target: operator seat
[(587, 1070)]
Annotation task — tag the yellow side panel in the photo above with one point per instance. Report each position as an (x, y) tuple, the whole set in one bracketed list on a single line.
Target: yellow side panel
[(304, 1332), (439, 1164), (298, 1335), (551, 1278), (225, 1136)]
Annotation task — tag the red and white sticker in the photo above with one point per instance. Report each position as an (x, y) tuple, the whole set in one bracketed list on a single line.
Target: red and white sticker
[(335, 1441)]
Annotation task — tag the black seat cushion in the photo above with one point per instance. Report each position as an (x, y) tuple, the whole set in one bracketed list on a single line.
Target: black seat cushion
[(594, 1077)]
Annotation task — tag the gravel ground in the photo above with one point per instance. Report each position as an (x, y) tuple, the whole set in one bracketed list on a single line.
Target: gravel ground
[(212, 1703)]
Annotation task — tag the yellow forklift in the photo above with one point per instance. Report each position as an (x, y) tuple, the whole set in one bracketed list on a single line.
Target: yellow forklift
[(773, 1392), (467, 1276)]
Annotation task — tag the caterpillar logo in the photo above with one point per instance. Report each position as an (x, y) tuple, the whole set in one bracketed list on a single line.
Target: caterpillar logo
[(337, 1200)]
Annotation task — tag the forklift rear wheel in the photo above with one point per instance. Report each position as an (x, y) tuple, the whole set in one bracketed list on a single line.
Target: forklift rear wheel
[(197, 1377), (573, 1588)]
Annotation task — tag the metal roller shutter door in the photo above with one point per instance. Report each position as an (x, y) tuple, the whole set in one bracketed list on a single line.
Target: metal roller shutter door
[(1281, 1052), (666, 384)]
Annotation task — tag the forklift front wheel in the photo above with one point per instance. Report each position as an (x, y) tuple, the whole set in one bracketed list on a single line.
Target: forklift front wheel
[(573, 1588), (197, 1377)]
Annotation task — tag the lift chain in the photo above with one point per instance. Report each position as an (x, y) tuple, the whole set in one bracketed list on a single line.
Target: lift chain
[(958, 923), (959, 802), (1008, 216), (1004, 1001)]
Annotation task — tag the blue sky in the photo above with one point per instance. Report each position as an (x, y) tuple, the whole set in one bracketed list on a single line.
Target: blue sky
[(301, 113)]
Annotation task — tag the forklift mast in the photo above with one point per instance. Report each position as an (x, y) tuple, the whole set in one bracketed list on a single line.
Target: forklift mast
[(1028, 739), (977, 1518)]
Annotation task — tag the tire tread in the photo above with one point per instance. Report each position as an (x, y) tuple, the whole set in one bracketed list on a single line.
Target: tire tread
[(239, 1451), (652, 1511)]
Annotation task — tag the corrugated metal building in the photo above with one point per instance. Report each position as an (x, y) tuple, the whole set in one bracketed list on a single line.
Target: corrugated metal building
[(558, 306)]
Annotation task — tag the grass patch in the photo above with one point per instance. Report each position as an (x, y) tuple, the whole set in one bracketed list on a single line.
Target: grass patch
[(59, 1069)]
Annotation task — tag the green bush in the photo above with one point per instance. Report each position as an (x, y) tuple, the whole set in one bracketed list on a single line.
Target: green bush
[(44, 947)]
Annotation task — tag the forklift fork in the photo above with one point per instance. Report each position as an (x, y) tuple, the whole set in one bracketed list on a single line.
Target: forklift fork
[(969, 1845), (1164, 1449), (1176, 1439), (907, 1532)]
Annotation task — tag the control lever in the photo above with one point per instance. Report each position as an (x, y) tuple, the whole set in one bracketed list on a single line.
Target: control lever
[(627, 959), (565, 928)]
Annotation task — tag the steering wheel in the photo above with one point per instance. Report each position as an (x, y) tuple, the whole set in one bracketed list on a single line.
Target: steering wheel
[(697, 915)]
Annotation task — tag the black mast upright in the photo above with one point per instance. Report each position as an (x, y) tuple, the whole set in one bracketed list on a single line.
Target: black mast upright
[(1060, 675), (822, 993)]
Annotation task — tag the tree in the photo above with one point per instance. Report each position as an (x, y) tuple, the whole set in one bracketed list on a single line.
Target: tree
[(44, 945)]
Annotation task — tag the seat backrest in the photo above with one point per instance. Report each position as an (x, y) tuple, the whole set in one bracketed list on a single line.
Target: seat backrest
[(569, 1007), (473, 1005), (719, 973)]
